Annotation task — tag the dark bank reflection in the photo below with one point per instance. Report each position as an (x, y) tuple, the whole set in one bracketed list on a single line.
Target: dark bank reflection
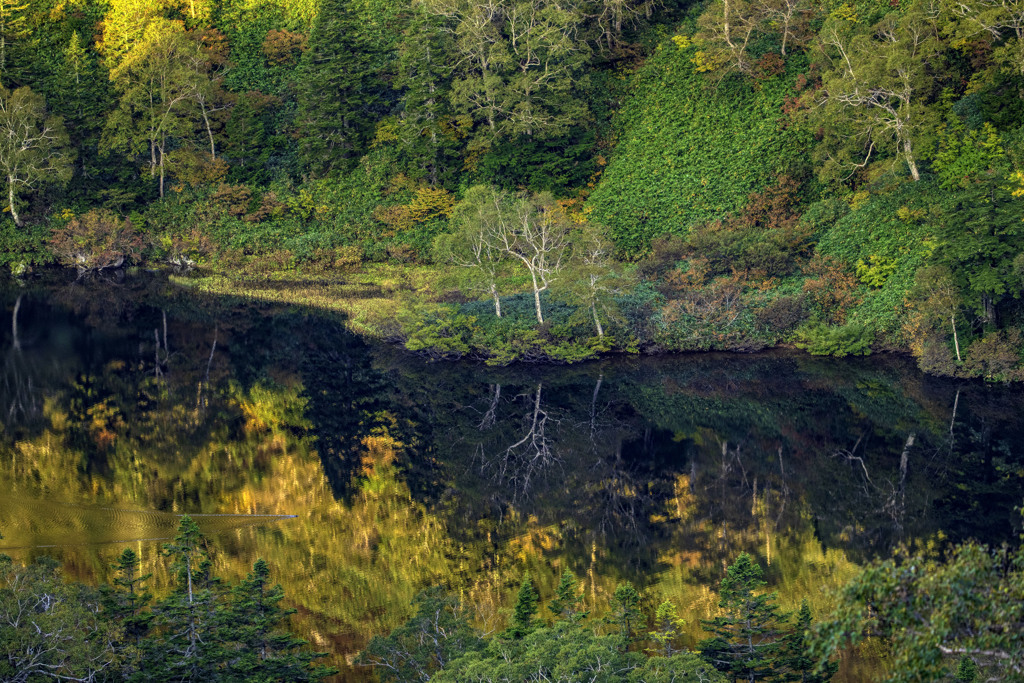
[(127, 402)]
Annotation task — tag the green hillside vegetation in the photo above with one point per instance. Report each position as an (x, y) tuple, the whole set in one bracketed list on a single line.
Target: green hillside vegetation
[(622, 175)]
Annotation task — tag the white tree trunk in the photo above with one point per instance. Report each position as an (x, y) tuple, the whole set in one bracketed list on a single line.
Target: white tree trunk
[(910, 161), (497, 300), (10, 199)]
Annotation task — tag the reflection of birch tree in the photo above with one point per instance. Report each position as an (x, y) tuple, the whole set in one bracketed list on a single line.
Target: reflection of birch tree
[(516, 465), (22, 398)]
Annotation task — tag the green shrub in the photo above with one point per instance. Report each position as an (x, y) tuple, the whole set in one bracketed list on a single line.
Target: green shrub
[(849, 340), (21, 248)]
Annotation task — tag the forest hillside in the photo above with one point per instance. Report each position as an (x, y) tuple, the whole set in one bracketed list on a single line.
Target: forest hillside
[(557, 179)]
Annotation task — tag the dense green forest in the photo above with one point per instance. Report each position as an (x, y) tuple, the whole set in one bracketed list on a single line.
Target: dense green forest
[(575, 177), (958, 620)]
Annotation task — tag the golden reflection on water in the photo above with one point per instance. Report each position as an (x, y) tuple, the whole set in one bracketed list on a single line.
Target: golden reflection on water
[(352, 568), (111, 445)]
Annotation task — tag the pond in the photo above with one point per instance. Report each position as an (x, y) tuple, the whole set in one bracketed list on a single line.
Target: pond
[(363, 474)]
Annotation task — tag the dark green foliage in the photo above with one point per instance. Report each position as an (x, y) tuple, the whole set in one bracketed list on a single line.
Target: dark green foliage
[(568, 601), (201, 632), (748, 638), (980, 235), (263, 651), (524, 613), (341, 89), (572, 652), (188, 644), (849, 340), (541, 165), (932, 613), (798, 662), (967, 670), (625, 613), (126, 600)]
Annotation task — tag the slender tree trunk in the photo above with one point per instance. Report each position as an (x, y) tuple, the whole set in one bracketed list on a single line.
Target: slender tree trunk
[(14, 324), (536, 297), (597, 321), (161, 171), (956, 341), (910, 161), (989, 309), (497, 300), (10, 199), (209, 131), (725, 24)]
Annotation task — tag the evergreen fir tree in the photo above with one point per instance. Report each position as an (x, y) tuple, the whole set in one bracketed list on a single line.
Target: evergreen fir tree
[(567, 603), (667, 628), (797, 660), (747, 641), (967, 671), (254, 624), (126, 600), (427, 133), (189, 643), (626, 611), (342, 91), (525, 611)]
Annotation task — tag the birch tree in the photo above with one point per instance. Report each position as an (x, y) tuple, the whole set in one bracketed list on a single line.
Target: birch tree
[(157, 80), (537, 237), (34, 147), (516, 65), (591, 279), (481, 219), (874, 96)]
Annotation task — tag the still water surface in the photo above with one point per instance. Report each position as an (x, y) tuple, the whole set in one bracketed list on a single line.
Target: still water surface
[(363, 475)]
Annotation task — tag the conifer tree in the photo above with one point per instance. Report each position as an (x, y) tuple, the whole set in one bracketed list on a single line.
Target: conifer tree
[(747, 641), (568, 603), (190, 641), (797, 661), (525, 611), (341, 92), (667, 628), (427, 132), (967, 670), (126, 600), (254, 623), (626, 611)]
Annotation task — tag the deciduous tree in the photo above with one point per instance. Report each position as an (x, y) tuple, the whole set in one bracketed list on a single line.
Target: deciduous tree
[(33, 145)]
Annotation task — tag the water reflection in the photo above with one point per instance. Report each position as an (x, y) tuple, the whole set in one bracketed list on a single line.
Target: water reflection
[(139, 396)]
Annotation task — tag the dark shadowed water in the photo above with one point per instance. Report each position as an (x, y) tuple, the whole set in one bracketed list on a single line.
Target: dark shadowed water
[(363, 475)]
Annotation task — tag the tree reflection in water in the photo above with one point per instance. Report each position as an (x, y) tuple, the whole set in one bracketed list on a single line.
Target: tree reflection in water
[(405, 474)]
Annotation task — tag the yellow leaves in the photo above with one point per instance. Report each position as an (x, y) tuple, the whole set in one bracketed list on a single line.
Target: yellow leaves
[(876, 270), (859, 199), (844, 13), (1018, 178), (910, 216), (704, 62), (682, 42), (387, 132), (427, 203)]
